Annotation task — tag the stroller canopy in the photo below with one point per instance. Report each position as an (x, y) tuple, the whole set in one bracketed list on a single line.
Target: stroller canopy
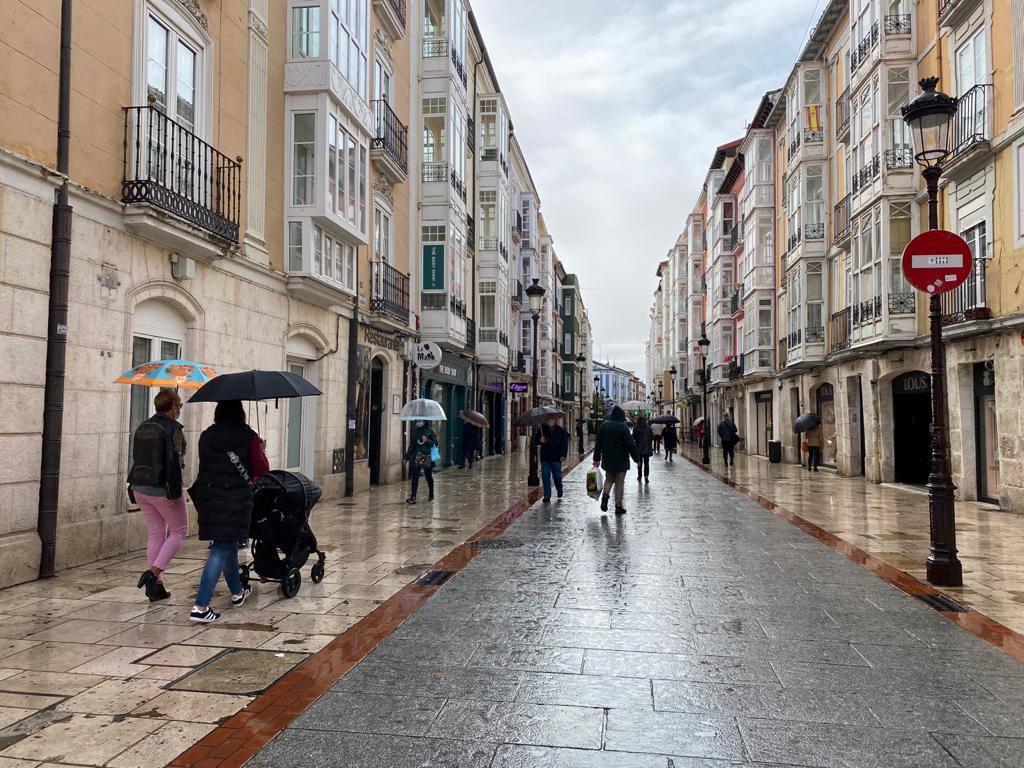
[(293, 489)]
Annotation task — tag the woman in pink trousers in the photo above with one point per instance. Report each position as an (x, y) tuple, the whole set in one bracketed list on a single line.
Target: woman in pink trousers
[(155, 484)]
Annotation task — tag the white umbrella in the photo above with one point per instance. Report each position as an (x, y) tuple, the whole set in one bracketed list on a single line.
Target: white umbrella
[(697, 422), (635, 405), (423, 410)]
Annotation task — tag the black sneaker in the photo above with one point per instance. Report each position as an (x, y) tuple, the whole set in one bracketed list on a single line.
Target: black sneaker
[(546, 500), (561, 494), (411, 500), (237, 600), (430, 497), (205, 616), (620, 510), (604, 503)]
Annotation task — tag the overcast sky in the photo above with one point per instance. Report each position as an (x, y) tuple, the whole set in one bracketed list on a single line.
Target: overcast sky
[(619, 107)]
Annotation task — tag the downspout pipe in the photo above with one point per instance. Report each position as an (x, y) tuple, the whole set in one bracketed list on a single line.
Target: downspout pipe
[(350, 403), (57, 317)]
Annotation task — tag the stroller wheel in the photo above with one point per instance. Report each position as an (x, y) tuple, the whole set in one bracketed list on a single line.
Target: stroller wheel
[(316, 573), (290, 583)]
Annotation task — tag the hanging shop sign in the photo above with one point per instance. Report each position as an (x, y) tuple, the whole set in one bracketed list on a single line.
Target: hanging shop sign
[(433, 267), (937, 261), (428, 355), (912, 384), (380, 339), (518, 387), (762, 397)]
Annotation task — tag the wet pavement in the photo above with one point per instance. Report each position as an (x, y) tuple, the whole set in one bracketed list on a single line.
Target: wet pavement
[(891, 522), (698, 631), (92, 674)]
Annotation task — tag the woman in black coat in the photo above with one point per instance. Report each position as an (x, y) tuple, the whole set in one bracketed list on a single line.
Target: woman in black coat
[(671, 441), (231, 457), (644, 439)]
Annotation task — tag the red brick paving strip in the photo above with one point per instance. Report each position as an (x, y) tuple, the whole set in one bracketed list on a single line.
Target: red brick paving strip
[(240, 737), (975, 622)]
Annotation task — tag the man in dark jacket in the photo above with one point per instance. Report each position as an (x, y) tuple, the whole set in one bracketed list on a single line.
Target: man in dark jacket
[(614, 448), (729, 436), (553, 440), (471, 443), (671, 441)]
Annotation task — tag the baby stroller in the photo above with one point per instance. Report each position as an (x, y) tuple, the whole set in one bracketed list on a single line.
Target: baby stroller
[(282, 540)]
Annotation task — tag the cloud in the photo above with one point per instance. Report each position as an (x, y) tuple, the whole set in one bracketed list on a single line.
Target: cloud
[(619, 108)]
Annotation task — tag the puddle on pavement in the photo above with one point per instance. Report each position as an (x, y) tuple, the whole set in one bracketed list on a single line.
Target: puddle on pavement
[(413, 570), (248, 625), (240, 671)]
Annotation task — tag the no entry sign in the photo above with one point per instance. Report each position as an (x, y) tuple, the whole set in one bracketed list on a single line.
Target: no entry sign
[(937, 261)]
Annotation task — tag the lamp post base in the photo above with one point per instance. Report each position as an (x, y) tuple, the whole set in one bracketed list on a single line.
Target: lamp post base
[(534, 478), (944, 570)]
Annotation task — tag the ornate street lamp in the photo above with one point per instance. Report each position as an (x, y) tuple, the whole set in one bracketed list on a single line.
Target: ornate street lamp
[(930, 116), (535, 296), (672, 372), (705, 344)]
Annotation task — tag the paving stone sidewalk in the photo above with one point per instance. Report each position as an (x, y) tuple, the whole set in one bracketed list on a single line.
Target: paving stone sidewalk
[(698, 631), (92, 674), (891, 522)]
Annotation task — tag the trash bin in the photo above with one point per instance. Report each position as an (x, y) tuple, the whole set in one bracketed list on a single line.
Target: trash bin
[(775, 451)]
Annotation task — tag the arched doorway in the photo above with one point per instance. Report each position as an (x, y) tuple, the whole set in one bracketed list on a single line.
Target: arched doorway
[(377, 370), (912, 419)]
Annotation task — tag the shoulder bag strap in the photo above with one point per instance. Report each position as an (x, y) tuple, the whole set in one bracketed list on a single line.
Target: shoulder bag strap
[(233, 457)]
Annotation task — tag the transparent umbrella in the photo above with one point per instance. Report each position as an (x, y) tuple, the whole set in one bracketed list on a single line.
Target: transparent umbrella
[(635, 405), (423, 410)]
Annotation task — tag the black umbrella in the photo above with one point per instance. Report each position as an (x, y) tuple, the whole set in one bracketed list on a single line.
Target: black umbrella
[(535, 416), (254, 385), (805, 422), (664, 420)]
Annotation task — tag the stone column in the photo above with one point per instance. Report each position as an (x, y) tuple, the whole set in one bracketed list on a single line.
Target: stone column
[(256, 160)]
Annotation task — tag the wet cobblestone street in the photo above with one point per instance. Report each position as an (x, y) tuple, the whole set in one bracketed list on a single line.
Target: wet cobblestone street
[(697, 631)]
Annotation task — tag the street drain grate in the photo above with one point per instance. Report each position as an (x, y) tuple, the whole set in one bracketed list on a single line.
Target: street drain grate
[(943, 603), (412, 570), (435, 578), (495, 544)]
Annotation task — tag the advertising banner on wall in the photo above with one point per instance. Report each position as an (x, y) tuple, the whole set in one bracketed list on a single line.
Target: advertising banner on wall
[(433, 267)]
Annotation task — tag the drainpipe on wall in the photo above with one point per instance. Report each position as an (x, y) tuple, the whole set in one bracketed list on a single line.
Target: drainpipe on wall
[(350, 402), (57, 317)]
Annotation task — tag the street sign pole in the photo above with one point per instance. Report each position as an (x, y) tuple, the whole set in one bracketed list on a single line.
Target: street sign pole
[(936, 262)]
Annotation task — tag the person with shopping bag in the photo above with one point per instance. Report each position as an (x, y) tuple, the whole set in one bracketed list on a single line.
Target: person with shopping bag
[(613, 449), (423, 453)]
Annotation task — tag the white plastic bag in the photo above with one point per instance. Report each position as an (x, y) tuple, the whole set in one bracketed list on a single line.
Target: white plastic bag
[(595, 483)]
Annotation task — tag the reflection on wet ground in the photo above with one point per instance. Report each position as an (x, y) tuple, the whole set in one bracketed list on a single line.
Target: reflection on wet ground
[(698, 630)]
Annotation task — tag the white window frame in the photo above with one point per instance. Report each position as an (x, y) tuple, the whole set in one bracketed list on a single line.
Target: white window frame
[(183, 26)]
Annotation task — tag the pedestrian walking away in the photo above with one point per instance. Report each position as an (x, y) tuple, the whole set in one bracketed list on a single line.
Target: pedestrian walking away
[(553, 440), (613, 449), (231, 458), (155, 484), (644, 438), (422, 449), (657, 435), (814, 440), (729, 436), (581, 436), (471, 443), (671, 441)]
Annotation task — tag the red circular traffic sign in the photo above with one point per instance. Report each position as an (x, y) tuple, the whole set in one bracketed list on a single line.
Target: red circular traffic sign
[(937, 261)]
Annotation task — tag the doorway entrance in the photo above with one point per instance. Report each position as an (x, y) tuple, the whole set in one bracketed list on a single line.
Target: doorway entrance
[(912, 419), (376, 419), (986, 431), (826, 402), (854, 403), (762, 421)]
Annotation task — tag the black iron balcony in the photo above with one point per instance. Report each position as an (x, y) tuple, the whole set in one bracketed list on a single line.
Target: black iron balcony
[(902, 303), (457, 184), (794, 338), (470, 333), (899, 158), (435, 172), (814, 334), (433, 49), (391, 137), (390, 291), (840, 329), (863, 50), (843, 115), (520, 363), (433, 301), (392, 16), (814, 137), (897, 24), (167, 166), (470, 134), (794, 240), (869, 172), (814, 231), (841, 215), (519, 293), (794, 146), (968, 302), (488, 155), (735, 301), (460, 69), (971, 125), (735, 370), (471, 231)]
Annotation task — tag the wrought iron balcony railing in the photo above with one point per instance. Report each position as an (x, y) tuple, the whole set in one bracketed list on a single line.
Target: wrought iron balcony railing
[(434, 48), (841, 219), (968, 302), (902, 303), (391, 136), (971, 125), (840, 330), (470, 333), (390, 291), (470, 134), (471, 231), (435, 172), (899, 158), (814, 231), (794, 147), (488, 155), (843, 114), (863, 49), (814, 137), (460, 69), (166, 165), (814, 334), (457, 184), (897, 24)]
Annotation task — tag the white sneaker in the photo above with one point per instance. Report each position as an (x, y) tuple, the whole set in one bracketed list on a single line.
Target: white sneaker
[(204, 616), (237, 600)]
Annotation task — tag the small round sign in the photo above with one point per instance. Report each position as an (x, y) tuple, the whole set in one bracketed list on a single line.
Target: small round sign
[(937, 261), (428, 355)]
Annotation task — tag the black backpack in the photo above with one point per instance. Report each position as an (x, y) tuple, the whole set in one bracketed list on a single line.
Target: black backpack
[(153, 458)]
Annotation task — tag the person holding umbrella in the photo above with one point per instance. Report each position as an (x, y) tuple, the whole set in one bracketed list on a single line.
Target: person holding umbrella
[(553, 440), (814, 440), (671, 441), (231, 459), (420, 456), (471, 433)]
